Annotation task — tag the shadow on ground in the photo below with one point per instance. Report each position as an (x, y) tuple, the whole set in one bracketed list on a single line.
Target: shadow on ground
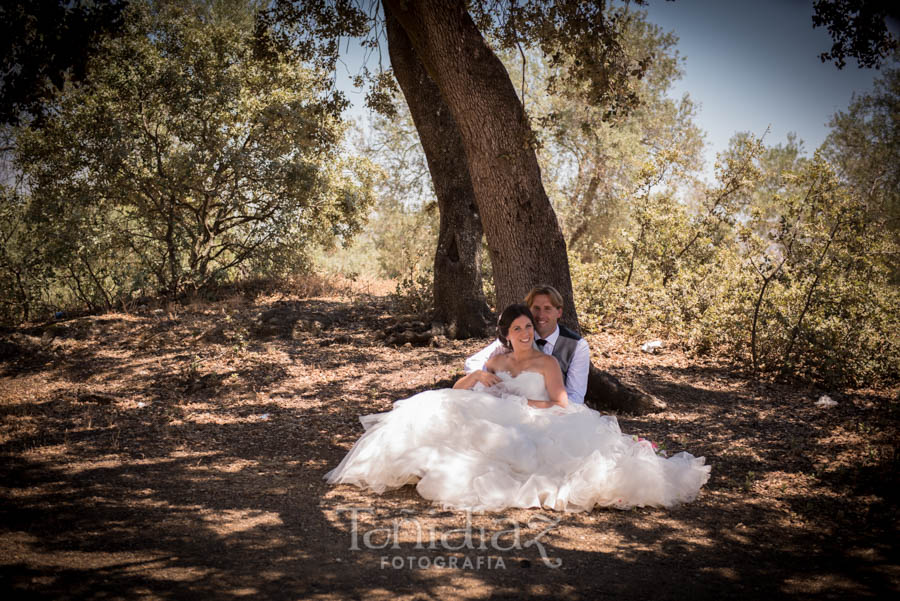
[(214, 487)]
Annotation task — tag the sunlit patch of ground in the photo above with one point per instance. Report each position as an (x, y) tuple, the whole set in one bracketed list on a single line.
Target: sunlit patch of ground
[(180, 452)]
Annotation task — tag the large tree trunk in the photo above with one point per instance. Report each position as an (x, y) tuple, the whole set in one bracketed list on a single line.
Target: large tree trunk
[(524, 240), (459, 301)]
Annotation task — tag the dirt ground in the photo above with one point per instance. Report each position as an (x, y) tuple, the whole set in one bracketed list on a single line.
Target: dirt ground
[(178, 452)]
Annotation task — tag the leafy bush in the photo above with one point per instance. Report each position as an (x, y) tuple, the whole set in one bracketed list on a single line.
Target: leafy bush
[(415, 290), (789, 274), (196, 152)]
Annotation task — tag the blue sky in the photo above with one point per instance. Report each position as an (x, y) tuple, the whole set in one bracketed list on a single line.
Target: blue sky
[(753, 65)]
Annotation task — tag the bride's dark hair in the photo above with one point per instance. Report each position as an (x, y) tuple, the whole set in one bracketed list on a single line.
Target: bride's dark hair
[(509, 315)]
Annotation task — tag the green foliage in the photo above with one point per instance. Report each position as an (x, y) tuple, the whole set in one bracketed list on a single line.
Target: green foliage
[(584, 45), (858, 28), (594, 164), (194, 153), (404, 219), (415, 290), (864, 146), (406, 207), (824, 294), (580, 41), (21, 273), (44, 44), (781, 265)]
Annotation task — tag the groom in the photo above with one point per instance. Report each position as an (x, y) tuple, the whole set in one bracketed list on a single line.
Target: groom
[(570, 349)]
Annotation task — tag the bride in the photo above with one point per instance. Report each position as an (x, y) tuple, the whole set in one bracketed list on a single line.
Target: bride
[(518, 443)]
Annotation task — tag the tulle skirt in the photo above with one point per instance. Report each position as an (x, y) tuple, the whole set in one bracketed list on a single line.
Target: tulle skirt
[(472, 450)]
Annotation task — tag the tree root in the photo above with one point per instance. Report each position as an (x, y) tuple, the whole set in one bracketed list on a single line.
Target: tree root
[(606, 393)]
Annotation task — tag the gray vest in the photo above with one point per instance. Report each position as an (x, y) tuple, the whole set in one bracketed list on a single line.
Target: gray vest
[(564, 349)]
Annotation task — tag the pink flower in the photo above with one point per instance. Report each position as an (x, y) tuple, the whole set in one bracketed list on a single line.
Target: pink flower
[(653, 445)]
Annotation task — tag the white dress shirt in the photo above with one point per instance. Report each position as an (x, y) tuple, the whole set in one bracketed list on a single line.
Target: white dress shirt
[(576, 379)]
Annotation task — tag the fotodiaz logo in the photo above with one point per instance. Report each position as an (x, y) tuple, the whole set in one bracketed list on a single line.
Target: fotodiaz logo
[(468, 539)]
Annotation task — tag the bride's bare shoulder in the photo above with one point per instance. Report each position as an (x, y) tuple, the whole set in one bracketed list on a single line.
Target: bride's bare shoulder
[(497, 363)]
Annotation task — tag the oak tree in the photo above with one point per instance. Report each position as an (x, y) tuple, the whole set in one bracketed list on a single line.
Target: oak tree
[(191, 153)]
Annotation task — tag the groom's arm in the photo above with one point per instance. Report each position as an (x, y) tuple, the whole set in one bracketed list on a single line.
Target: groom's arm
[(577, 377), (476, 362)]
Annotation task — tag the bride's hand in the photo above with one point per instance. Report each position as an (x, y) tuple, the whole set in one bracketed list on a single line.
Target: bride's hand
[(485, 378), (541, 404)]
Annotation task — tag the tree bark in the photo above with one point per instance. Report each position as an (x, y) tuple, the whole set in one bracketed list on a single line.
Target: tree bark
[(524, 240), (459, 302), (606, 393)]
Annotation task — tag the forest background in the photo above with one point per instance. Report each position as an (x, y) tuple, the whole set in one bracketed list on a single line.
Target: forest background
[(196, 151)]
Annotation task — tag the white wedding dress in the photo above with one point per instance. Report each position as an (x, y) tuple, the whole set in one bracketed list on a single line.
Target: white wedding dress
[(487, 449)]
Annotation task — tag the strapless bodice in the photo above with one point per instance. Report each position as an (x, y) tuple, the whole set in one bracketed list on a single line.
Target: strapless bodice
[(528, 384)]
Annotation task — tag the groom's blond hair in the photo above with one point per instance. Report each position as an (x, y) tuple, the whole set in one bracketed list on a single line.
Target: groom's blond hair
[(555, 297)]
